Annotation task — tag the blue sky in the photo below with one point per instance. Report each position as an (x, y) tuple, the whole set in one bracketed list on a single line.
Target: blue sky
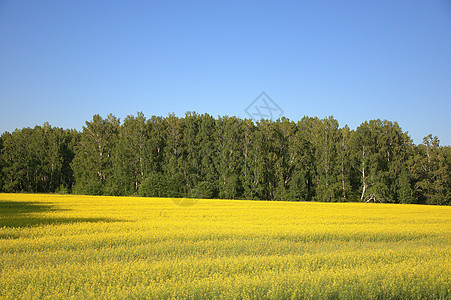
[(64, 61)]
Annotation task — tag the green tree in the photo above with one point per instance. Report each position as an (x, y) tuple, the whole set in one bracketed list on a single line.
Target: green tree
[(2, 175), (204, 190), (200, 156), (307, 127), (284, 138), (229, 157), (174, 154), (191, 162), (262, 161), (207, 150), (34, 159), (19, 161), (132, 155), (93, 162), (365, 157), (69, 139), (300, 153), (380, 156), (346, 173), (405, 190), (248, 128), (432, 171), (326, 138), (155, 185)]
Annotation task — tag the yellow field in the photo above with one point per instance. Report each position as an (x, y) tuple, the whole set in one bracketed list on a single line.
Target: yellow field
[(116, 247)]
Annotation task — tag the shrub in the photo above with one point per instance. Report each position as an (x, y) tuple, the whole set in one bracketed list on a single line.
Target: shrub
[(155, 185), (204, 190)]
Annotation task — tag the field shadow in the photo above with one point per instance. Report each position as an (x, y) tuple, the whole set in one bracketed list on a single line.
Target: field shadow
[(26, 214)]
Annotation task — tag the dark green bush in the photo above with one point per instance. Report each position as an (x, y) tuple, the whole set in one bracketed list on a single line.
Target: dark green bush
[(155, 185), (203, 190)]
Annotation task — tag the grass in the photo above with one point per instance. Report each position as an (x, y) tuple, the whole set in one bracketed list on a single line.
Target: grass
[(80, 247)]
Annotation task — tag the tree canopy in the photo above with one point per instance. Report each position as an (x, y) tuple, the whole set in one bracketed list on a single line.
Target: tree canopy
[(227, 157)]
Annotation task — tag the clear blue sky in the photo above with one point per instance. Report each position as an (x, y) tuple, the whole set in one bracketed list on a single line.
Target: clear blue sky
[(64, 61)]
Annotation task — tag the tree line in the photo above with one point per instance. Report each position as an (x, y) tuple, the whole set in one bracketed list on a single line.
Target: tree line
[(228, 157)]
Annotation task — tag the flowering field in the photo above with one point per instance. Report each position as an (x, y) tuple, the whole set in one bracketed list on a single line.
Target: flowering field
[(55, 246)]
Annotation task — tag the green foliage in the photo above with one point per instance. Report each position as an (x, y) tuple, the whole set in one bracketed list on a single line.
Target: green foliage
[(204, 190), (2, 175), (62, 190), (200, 156), (132, 155), (156, 185), (177, 186), (405, 192), (93, 162), (36, 160), (432, 170), (380, 151), (160, 185)]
